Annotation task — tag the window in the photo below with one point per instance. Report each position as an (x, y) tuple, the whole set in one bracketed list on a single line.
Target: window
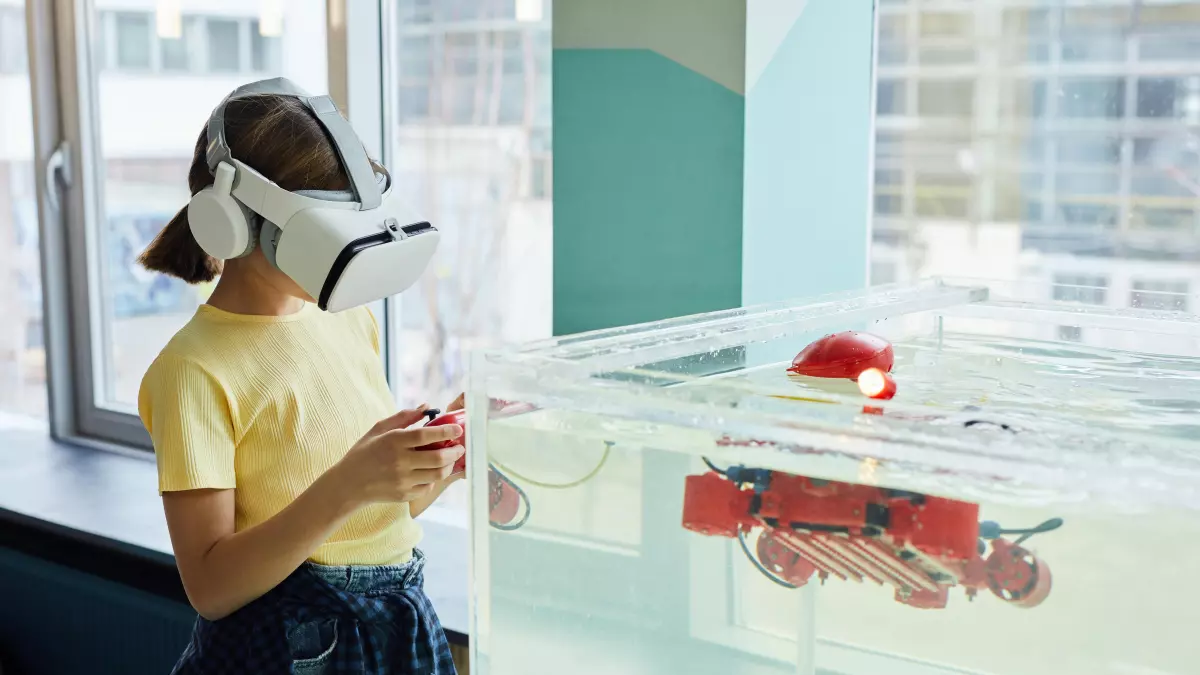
[(889, 98), (1156, 97), (1092, 97), (141, 173), (1162, 295), (1177, 16), (1023, 99), (893, 34), (946, 38), (219, 45), (224, 45), (1089, 149), (943, 195), (1160, 200), (1019, 197), (1094, 34), (1025, 35), (473, 133), (889, 192), (1070, 333), (1087, 289), (415, 11), (182, 54), (417, 56), (22, 357), (946, 98), (133, 40), (266, 51), (1088, 198), (1169, 32), (946, 25), (13, 53), (462, 52)]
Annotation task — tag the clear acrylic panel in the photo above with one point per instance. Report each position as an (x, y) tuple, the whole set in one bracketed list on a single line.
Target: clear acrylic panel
[(669, 498)]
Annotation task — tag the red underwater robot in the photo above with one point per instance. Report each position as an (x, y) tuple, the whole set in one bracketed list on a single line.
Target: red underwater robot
[(919, 545)]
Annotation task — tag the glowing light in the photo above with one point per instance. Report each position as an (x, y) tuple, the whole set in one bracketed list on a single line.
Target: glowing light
[(168, 19), (270, 18), (875, 383), (529, 10)]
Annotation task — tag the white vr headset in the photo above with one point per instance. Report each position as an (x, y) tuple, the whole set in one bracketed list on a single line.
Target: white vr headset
[(344, 248)]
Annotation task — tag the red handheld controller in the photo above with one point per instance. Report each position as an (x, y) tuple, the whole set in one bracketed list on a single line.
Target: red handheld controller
[(458, 417), (504, 498)]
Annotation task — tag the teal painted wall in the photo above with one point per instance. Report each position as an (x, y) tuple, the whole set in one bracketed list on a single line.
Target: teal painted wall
[(809, 120), (58, 621), (647, 190)]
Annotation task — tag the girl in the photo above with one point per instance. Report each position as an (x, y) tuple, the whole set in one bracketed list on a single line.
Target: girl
[(289, 485)]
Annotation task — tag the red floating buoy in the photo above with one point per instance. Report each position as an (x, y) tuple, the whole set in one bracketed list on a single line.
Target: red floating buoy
[(844, 356)]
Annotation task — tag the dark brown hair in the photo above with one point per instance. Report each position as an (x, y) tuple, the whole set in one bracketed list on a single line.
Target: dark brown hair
[(277, 136)]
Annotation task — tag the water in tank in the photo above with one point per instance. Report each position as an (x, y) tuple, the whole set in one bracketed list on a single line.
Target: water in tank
[(689, 496)]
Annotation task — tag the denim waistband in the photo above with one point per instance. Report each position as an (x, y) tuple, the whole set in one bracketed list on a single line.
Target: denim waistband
[(368, 578)]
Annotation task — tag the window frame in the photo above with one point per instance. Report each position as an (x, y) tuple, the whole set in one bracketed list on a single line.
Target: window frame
[(64, 65)]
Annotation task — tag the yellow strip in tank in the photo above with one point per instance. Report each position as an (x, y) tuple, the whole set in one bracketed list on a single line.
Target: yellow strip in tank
[(803, 398)]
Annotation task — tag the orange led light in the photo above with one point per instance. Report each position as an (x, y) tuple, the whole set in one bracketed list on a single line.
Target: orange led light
[(875, 383)]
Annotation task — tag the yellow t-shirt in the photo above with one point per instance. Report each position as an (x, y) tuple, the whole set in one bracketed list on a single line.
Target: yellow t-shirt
[(265, 405)]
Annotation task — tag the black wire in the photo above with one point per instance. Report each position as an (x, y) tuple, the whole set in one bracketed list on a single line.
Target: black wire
[(758, 564), (712, 466)]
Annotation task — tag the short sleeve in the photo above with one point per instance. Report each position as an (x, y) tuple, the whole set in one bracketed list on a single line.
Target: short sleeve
[(187, 413)]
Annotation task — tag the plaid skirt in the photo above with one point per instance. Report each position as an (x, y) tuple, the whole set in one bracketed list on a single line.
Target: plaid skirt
[(322, 620)]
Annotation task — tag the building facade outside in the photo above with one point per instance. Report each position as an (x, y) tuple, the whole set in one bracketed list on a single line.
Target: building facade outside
[(1031, 139), (1040, 140)]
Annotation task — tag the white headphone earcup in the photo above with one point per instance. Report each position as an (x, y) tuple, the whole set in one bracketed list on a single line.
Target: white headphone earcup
[(268, 240), (222, 226)]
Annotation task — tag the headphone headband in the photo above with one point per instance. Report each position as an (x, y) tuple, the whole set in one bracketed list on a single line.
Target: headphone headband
[(350, 151)]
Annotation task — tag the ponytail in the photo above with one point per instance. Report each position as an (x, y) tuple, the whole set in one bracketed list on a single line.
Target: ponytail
[(175, 252)]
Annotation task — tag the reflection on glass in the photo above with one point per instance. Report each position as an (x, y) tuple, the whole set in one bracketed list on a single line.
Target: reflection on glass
[(471, 150), (146, 144), (22, 358), (1033, 140)]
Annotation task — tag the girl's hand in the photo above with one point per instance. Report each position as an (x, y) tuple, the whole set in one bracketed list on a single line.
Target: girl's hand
[(384, 466), (458, 404)]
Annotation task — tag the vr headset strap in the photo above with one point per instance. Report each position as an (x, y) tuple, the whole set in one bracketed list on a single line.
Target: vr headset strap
[(350, 150)]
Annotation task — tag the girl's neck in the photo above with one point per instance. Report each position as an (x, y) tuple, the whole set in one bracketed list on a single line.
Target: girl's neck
[(242, 289)]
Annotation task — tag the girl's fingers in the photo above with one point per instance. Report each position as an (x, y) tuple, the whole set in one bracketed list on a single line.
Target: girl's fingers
[(400, 420)]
